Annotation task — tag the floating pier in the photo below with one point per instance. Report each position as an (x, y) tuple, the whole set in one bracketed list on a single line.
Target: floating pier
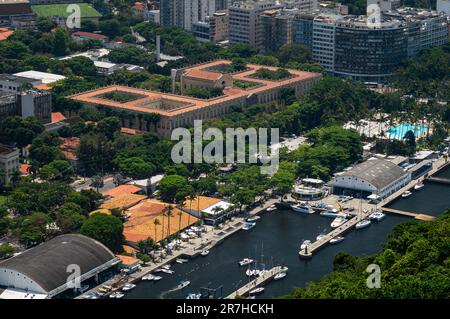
[(439, 180), (258, 281), (417, 216)]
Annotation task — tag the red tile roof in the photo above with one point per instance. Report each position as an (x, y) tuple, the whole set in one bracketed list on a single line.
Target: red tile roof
[(24, 169), (5, 33), (201, 74), (121, 190), (138, 6), (57, 117), (90, 35)]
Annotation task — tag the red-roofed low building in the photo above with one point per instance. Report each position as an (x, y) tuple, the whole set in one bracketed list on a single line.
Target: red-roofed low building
[(24, 169), (83, 36), (57, 117), (138, 7), (5, 33), (69, 148)]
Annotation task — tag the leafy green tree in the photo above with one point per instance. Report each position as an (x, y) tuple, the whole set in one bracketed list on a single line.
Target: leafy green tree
[(171, 185), (68, 217), (44, 24), (136, 167), (57, 170), (294, 53), (106, 229), (60, 43), (6, 250)]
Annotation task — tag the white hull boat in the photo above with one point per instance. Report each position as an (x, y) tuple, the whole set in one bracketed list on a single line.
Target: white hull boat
[(338, 221), (284, 269), (305, 244), (166, 267), (184, 284), (362, 224), (167, 271), (253, 219), (204, 253), (248, 225), (128, 287), (419, 186), (271, 208), (148, 277), (319, 237), (302, 208), (193, 296), (377, 216), (280, 275), (257, 291), (245, 262), (406, 194), (156, 278), (336, 240), (181, 260)]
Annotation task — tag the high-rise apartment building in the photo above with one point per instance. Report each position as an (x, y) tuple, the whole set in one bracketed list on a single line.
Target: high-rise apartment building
[(184, 13)]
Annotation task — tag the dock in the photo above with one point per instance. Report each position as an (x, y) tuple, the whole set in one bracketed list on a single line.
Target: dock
[(440, 180), (417, 216), (258, 281), (318, 244)]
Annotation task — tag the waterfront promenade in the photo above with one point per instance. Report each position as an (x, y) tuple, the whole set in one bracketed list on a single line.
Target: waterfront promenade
[(258, 281)]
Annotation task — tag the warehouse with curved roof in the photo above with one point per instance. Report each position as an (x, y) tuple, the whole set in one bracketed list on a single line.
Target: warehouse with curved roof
[(45, 269), (374, 176)]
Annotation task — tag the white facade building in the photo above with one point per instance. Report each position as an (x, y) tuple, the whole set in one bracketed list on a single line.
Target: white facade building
[(9, 163), (374, 176), (323, 40)]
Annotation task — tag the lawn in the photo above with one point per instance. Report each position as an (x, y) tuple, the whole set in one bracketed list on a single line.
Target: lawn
[(48, 10)]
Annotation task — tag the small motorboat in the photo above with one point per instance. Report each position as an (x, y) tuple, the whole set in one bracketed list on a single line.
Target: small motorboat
[(194, 296), (184, 284), (167, 271), (271, 208), (406, 194), (156, 278), (362, 224), (284, 269), (302, 208), (256, 291), (320, 236), (128, 287), (280, 275), (419, 186), (204, 253), (305, 244), (330, 213), (253, 219), (377, 216), (166, 266), (245, 262), (116, 295), (181, 261), (250, 272), (248, 225), (148, 277), (338, 221), (336, 240)]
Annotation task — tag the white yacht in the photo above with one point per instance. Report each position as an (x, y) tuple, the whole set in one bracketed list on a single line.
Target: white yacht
[(184, 284), (377, 216), (148, 277), (280, 275), (128, 287), (248, 225), (167, 271), (156, 278), (245, 262), (271, 208), (406, 194), (338, 221), (362, 224), (419, 186), (204, 253), (336, 240), (320, 236), (181, 260), (305, 244), (284, 269), (256, 291), (253, 218), (302, 208), (166, 266)]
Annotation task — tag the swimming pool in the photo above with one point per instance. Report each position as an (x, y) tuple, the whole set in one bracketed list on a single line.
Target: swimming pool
[(398, 132)]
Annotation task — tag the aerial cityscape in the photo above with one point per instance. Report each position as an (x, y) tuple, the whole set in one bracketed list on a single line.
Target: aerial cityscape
[(224, 149)]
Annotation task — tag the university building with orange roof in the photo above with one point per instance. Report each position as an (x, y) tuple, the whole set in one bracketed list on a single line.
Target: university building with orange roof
[(181, 110)]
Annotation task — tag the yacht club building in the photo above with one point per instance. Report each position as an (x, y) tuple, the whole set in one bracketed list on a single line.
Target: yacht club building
[(374, 176)]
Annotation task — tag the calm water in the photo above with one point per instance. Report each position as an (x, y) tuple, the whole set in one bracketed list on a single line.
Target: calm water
[(280, 234)]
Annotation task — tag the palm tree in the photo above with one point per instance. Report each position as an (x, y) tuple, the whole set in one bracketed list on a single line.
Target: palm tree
[(156, 222), (190, 198), (168, 212)]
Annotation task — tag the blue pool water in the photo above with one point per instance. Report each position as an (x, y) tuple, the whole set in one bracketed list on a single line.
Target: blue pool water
[(398, 132)]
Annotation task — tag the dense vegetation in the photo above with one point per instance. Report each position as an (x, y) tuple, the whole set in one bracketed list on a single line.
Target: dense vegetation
[(415, 263)]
